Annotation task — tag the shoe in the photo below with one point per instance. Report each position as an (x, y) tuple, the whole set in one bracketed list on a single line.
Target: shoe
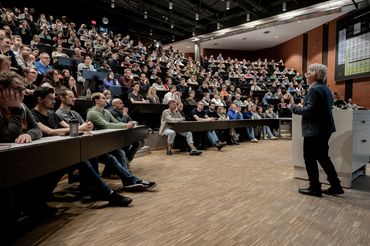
[(138, 187), (254, 140), (195, 152), (310, 192), (220, 145), (118, 200), (236, 142), (333, 191), (274, 138), (265, 138), (148, 185), (169, 150)]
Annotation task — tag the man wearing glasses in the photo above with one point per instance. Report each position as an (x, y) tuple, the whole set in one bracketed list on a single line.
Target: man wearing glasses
[(43, 64)]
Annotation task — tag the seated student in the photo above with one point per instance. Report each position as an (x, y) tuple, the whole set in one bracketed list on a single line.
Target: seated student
[(158, 85), (17, 125), (43, 64), (248, 114), (190, 100), (223, 115), (200, 115), (152, 96), (110, 80), (172, 94), (351, 104), (51, 125), (266, 130), (211, 112), (103, 119), (121, 114), (30, 76), (272, 115), (87, 64), (218, 100), (108, 97), (206, 99), (283, 108), (172, 115), (135, 97)]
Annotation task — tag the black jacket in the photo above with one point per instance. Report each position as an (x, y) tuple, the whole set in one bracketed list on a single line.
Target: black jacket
[(317, 117)]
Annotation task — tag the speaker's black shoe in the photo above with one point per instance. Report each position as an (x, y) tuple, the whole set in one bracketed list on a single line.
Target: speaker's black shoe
[(333, 191), (310, 192)]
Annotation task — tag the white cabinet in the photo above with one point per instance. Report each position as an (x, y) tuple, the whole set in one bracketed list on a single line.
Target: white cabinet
[(349, 147)]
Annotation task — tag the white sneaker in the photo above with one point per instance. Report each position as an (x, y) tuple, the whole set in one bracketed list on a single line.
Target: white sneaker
[(274, 138), (254, 140)]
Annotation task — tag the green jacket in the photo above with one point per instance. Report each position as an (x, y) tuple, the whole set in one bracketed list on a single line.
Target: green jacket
[(103, 120)]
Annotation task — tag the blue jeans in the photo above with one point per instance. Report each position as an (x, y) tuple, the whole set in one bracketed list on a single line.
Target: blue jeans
[(171, 134), (91, 176), (250, 133), (267, 131), (212, 137), (116, 160)]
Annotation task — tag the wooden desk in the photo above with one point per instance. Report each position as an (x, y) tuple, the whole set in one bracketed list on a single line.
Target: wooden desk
[(24, 162), (200, 126), (104, 141)]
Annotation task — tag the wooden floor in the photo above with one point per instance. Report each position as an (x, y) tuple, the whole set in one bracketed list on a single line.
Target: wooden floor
[(242, 195)]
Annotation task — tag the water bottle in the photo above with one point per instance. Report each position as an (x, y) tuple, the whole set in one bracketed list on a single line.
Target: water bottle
[(88, 93), (73, 127)]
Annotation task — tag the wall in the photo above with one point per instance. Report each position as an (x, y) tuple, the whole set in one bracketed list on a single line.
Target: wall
[(291, 53), (314, 46)]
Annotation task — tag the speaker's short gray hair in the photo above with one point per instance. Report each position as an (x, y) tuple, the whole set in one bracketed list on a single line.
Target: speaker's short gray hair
[(318, 70)]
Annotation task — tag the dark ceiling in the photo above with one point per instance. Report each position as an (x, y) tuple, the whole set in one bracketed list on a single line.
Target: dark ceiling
[(128, 16)]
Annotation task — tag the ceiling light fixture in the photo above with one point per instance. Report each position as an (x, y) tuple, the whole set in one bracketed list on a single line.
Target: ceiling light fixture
[(173, 38), (248, 17), (172, 25), (145, 15), (196, 16), (218, 26), (227, 5), (112, 5), (170, 5), (151, 32), (284, 6)]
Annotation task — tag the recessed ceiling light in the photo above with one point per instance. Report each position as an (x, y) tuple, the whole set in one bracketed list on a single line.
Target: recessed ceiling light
[(188, 47), (276, 37), (299, 21)]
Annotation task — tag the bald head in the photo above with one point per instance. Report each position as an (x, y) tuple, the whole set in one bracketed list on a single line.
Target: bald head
[(117, 104)]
